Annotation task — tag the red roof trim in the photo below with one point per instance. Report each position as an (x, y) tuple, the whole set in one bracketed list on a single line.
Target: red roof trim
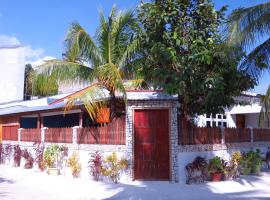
[(79, 91), (144, 90)]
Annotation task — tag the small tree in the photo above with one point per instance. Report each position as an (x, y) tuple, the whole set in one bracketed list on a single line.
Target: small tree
[(184, 53)]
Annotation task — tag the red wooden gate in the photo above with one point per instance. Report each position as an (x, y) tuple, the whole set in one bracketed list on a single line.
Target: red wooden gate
[(151, 157)]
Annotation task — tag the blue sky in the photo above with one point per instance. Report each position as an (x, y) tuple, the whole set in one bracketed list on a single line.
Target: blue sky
[(41, 25)]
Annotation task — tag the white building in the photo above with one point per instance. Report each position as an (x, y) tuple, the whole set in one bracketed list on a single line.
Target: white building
[(12, 66), (242, 115)]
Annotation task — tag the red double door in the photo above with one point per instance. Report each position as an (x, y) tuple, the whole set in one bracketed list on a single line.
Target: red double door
[(151, 133)]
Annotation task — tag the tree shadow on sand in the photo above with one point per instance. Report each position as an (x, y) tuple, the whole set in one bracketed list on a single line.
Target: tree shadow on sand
[(170, 191)]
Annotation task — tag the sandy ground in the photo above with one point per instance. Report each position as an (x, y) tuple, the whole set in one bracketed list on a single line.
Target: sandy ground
[(22, 184)]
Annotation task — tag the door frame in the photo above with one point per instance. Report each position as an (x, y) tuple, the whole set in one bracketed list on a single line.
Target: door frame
[(133, 139)]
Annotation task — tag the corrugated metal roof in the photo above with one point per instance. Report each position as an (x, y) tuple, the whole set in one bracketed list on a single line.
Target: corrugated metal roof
[(46, 103), (31, 105)]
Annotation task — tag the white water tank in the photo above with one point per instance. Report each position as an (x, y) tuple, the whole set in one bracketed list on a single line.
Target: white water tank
[(12, 66)]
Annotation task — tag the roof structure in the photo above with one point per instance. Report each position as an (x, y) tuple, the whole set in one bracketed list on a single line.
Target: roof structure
[(58, 101)]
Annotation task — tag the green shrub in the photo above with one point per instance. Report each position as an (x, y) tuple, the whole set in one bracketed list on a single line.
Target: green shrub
[(251, 162), (74, 164), (216, 165), (113, 166), (52, 155)]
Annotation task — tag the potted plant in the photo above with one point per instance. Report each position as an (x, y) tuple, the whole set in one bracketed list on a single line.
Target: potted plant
[(17, 156), (113, 166), (95, 165), (103, 115), (51, 158), (39, 157), (256, 162), (196, 170), (232, 171), (251, 162), (29, 160), (74, 164), (216, 168)]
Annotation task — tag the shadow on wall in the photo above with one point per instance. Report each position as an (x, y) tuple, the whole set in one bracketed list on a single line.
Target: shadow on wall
[(243, 188)]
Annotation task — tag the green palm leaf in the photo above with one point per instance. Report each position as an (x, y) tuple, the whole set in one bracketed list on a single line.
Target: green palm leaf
[(103, 60), (246, 25)]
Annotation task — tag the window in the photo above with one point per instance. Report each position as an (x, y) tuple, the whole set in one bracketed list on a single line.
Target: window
[(28, 122), (217, 120), (58, 121)]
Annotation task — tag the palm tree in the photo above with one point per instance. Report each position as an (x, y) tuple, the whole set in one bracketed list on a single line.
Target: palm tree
[(103, 61), (247, 26), (264, 117)]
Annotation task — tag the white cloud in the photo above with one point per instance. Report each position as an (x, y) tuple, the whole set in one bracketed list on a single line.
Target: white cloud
[(8, 41), (33, 53), (40, 61), (33, 56)]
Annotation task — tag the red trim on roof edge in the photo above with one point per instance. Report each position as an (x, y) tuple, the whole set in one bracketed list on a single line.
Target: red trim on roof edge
[(79, 91), (144, 90)]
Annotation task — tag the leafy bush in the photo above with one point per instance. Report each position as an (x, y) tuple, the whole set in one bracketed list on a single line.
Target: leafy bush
[(7, 152), (64, 151), (251, 162), (17, 156), (39, 160), (113, 166), (52, 155), (236, 157), (216, 165), (232, 171), (29, 160), (198, 165), (74, 164), (95, 165)]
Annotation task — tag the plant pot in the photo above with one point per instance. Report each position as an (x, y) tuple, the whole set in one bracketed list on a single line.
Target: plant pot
[(75, 174), (215, 177), (53, 171), (103, 115)]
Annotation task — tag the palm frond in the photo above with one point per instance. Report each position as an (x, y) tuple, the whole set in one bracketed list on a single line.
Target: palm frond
[(93, 98), (110, 77), (103, 37), (122, 33), (44, 85), (136, 84), (66, 71), (129, 54), (258, 60), (246, 25), (80, 46)]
